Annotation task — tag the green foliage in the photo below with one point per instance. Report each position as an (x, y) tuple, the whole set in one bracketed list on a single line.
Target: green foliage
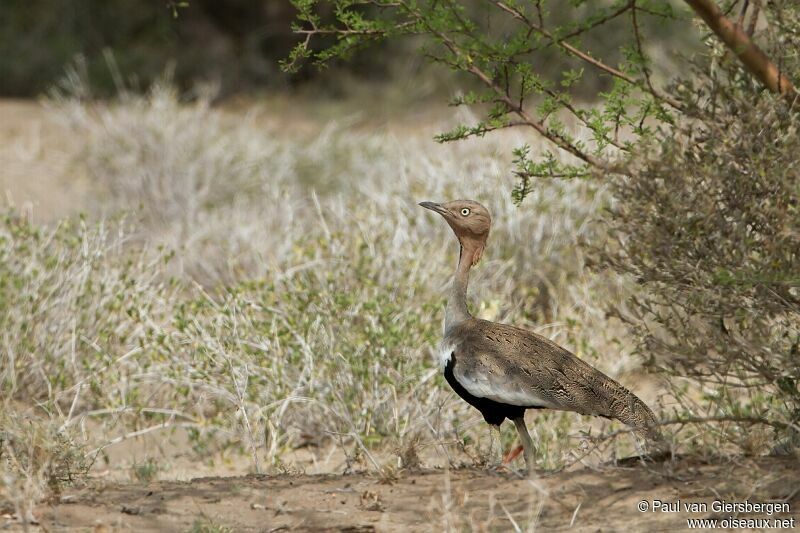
[(510, 49), (63, 291), (709, 227), (547, 166), (146, 471)]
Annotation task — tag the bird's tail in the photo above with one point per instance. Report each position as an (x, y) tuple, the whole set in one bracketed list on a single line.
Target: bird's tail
[(641, 418)]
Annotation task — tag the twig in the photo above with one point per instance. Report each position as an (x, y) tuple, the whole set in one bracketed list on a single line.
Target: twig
[(584, 56), (640, 49)]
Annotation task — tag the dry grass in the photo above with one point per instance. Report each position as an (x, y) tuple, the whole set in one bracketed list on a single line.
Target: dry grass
[(266, 291)]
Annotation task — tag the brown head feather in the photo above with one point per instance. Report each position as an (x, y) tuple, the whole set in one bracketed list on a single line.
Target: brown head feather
[(470, 222)]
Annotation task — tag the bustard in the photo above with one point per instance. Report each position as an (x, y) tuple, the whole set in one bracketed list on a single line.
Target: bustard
[(502, 370)]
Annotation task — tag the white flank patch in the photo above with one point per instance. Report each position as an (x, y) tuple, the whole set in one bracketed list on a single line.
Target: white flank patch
[(445, 353), (503, 392)]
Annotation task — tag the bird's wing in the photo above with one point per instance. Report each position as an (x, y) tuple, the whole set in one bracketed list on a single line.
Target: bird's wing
[(516, 367), (484, 374)]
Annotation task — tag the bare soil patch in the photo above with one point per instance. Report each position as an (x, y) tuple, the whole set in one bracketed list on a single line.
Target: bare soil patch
[(588, 499)]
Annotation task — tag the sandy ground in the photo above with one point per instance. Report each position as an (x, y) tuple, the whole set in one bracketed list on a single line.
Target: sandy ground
[(601, 499)]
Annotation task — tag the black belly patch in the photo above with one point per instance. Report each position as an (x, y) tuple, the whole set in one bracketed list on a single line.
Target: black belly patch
[(493, 412)]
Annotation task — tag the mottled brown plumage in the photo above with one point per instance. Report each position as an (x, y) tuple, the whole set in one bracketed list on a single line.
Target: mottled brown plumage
[(503, 370), (530, 370)]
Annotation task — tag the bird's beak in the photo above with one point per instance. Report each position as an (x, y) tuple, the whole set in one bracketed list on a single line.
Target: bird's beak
[(433, 206)]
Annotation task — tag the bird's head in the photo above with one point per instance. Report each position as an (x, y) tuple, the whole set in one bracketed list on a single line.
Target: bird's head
[(470, 222)]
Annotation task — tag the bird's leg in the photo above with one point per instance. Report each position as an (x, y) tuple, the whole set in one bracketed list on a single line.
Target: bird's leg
[(495, 447), (527, 445)]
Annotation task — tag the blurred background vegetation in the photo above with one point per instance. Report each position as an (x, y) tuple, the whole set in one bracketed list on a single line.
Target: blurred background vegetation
[(238, 44)]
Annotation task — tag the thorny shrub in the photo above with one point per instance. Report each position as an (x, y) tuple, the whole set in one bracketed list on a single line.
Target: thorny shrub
[(709, 227)]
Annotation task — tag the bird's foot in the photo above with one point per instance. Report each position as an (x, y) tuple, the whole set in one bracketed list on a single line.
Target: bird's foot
[(512, 454), (498, 468), (501, 463)]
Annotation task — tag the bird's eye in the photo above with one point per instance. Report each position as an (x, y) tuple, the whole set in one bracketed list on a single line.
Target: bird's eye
[(465, 212)]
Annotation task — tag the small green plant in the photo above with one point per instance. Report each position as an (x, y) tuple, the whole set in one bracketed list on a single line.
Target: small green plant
[(146, 471), (36, 460)]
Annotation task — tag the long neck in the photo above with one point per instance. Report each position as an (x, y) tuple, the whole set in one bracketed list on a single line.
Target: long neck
[(456, 311)]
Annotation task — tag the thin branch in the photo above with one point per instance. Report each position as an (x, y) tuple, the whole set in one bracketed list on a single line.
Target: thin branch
[(556, 175), (743, 13), (342, 31), (584, 56), (751, 28), (513, 106), (696, 420), (753, 420), (599, 22), (585, 29), (640, 49), (557, 139)]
